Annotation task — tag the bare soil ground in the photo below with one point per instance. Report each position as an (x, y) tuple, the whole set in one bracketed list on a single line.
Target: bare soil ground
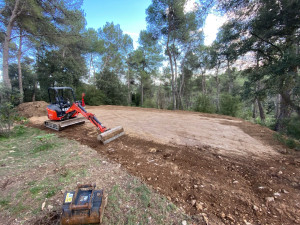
[(37, 168), (225, 169)]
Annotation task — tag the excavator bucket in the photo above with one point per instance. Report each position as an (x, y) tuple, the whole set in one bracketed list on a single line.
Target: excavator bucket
[(111, 134)]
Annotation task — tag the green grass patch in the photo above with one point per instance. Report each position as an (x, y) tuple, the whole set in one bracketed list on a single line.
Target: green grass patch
[(19, 208), (43, 147), (4, 202), (51, 192), (36, 190), (144, 194)]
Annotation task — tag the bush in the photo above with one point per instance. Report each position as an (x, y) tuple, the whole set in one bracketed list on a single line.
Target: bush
[(149, 103), (204, 104), (93, 96), (229, 105), (293, 127), (7, 117)]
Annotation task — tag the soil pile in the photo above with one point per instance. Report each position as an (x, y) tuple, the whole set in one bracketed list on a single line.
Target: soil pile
[(30, 109)]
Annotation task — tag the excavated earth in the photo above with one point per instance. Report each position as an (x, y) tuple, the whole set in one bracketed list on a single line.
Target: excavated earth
[(227, 170)]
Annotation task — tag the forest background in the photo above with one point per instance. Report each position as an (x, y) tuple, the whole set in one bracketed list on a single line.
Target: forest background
[(250, 71)]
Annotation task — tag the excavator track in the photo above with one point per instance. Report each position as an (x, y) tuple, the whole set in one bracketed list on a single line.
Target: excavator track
[(59, 125)]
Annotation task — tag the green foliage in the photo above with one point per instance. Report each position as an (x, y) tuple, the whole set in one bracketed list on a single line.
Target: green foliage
[(204, 104), (149, 103), (29, 79), (293, 127), (229, 105), (93, 96), (289, 142), (59, 68), (7, 117), (114, 91), (43, 147)]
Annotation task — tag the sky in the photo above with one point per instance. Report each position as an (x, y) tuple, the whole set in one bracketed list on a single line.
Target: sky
[(131, 15)]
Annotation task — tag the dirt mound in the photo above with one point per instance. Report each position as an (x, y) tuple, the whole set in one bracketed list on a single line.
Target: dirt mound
[(30, 109)]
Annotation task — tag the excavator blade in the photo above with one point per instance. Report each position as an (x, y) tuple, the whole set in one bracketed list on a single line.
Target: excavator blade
[(59, 125), (111, 134)]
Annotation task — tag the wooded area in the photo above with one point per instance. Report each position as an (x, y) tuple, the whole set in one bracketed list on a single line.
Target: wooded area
[(250, 71)]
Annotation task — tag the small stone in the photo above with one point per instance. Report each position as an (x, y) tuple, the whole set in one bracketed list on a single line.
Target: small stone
[(284, 191), (152, 150), (193, 202), (43, 205), (195, 186), (184, 222), (205, 218), (50, 207), (149, 178), (199, 207), (169, 198), (276, 194), (270, 199), (280, 172), (230, 217), (223, 215), (255, 207), (235, 182), (247, 223)]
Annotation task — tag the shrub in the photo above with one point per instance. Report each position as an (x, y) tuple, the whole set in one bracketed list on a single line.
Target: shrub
[(204, 104), (229, 105), (93, 96), (7, 117), (149, 103), (293, 127)]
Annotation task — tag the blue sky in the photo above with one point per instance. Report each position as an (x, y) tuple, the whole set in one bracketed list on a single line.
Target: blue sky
[(131, 16)]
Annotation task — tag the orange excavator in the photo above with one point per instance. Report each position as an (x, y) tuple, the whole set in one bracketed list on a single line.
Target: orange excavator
[(64, 109)]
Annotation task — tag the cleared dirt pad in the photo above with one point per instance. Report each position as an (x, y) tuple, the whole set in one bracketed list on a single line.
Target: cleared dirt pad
[(227, 168)]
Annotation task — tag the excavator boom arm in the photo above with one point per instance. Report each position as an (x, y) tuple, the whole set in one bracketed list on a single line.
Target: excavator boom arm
[(91, 117)]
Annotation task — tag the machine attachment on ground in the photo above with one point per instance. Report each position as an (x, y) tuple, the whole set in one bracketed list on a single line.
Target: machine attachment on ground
[(62, 113), (83, 206)]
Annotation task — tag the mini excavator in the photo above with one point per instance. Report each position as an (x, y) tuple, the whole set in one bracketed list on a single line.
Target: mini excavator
[(62, 113)]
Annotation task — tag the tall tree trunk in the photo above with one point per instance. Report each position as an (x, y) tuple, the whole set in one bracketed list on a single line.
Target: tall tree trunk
[(203, 82), (284, 113), (254, 109), (128, 87), (277, 106), (171, 63), (90, 70), (260, 107), (175, 82), (34, 91), (218, 93), (261, 111), (142, 93), (218, 87), (230, 84), (173, 77), (20, 68), (6, 44)]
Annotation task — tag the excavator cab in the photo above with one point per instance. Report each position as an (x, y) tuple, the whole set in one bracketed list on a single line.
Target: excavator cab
[(63, 97)]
